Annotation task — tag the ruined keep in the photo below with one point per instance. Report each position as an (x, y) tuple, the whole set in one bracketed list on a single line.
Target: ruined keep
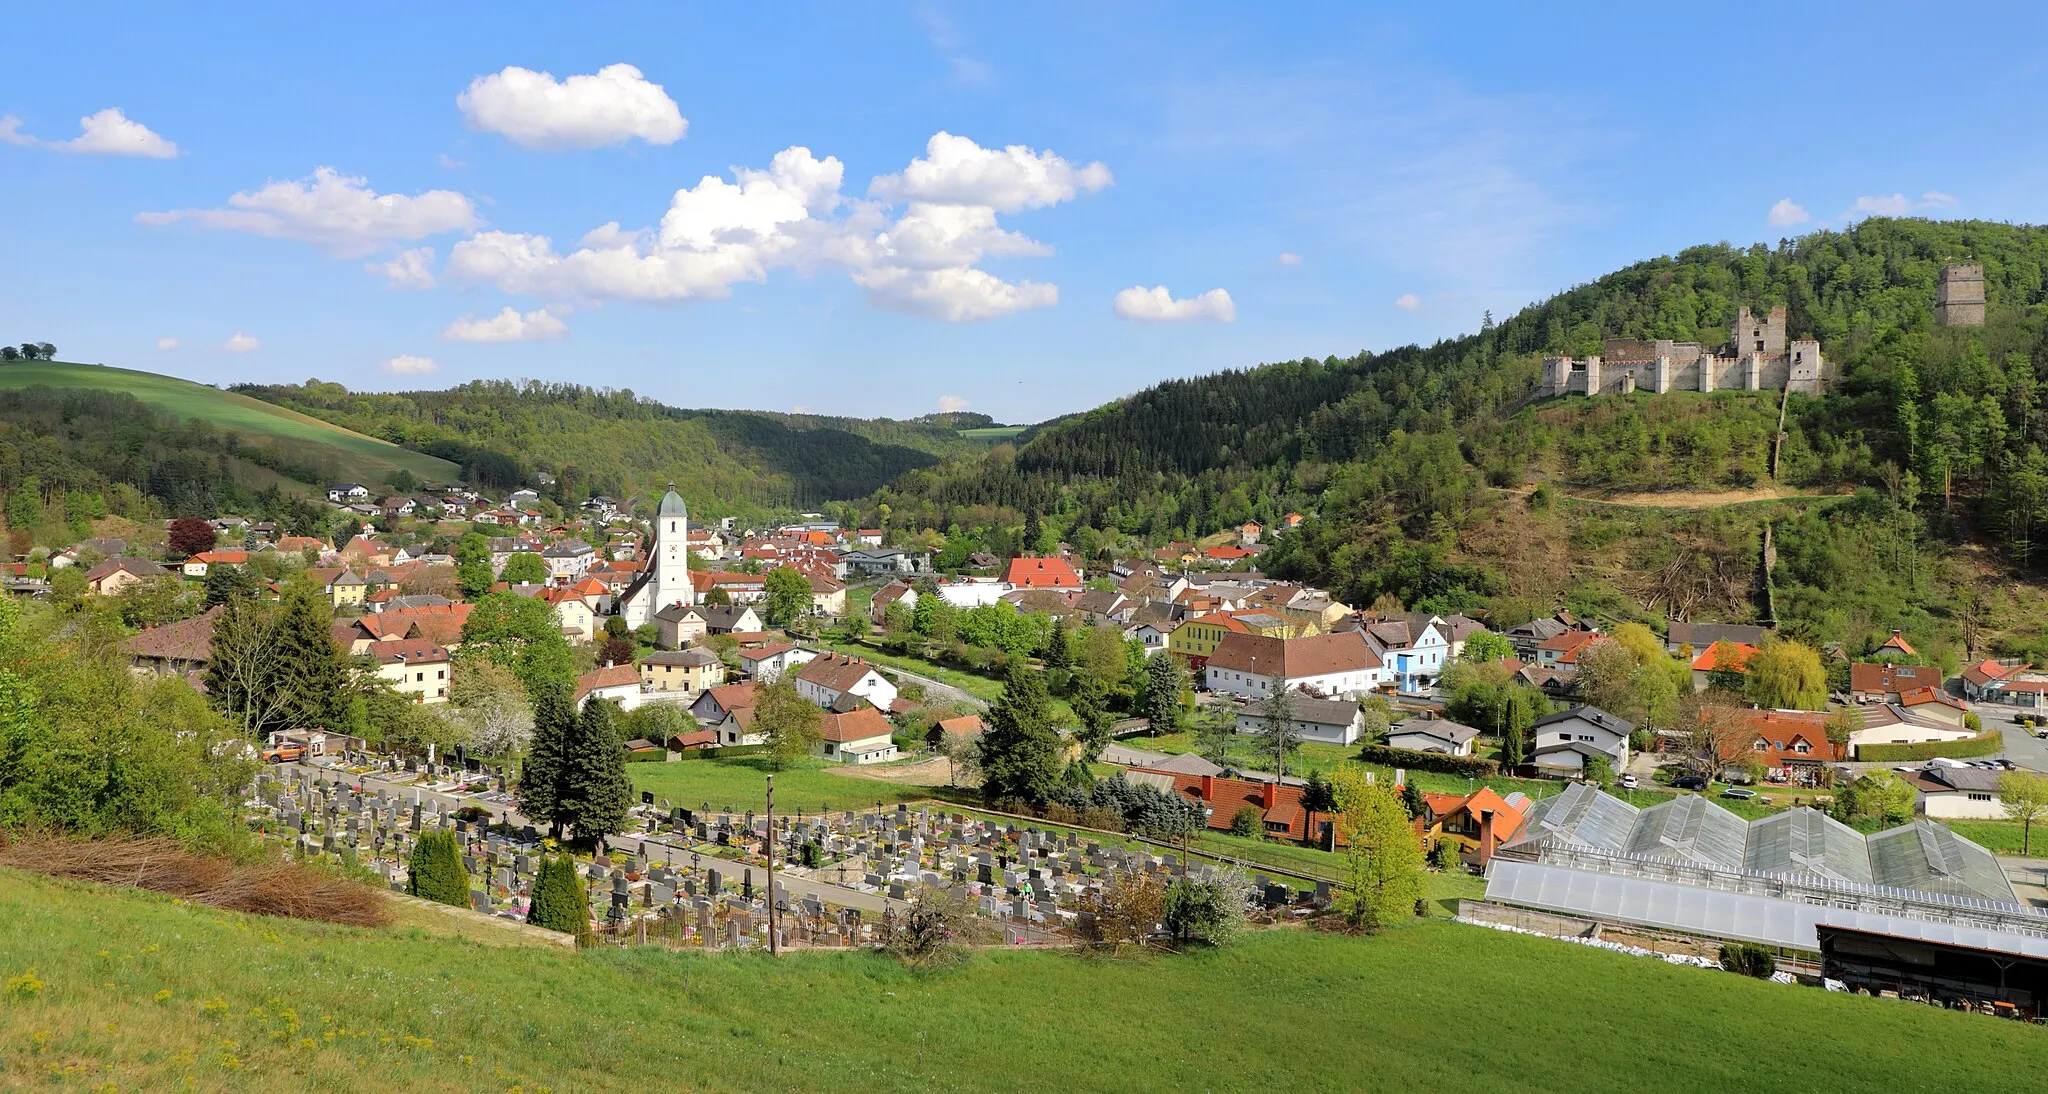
[(1959, 296), (1758, 357)]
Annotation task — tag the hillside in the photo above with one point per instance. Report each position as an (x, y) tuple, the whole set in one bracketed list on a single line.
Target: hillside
[(1417, 465), (145, 993), (338, 453), (620, 444)]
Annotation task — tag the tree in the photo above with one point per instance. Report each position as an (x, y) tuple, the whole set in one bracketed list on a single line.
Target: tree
[(1318, 796), (543, 775), (188, 536), (793, 724), (243, 678), (1020, 753), (1214, 730), (1730, 671), (435, 871), (2024, 797), (597, 793), (1160, 703), (1278, 731), (226, 582), (718, 597), (615, 650), (789, 595), (1786, 675), (1607, 678), (1877, 795), (525, 568), (963, 755), (1206, 904), (1411, 798), (1485, 647), (1842, 725), (307, 658), (522, 634), (559, 901), (1246, 823), (1383, 861)]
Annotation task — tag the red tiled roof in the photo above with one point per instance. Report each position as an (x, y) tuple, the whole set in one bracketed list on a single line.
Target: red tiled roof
[(408, 651), (855, 725), (1885, 679), (1782, 732), (186, 640), (1738, 654), (966, 725), (1568, 640), (835, 671), (614, 676), (1028, 572), (1984, 672), (1294, 658), (1226, 797), (1924, 695)]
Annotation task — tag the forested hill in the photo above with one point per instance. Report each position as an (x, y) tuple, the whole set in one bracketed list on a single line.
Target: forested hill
[(1403, 451), (618, 443)]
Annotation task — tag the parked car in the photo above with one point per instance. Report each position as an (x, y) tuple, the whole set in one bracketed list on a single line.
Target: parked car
[(1689, 782), (1628, 782), (1738, 793)]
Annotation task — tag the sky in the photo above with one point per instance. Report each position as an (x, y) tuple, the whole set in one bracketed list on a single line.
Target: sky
[(895, 209)]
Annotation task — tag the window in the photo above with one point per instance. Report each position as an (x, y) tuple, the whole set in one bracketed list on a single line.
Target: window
[(419, 677), (1980, 797)]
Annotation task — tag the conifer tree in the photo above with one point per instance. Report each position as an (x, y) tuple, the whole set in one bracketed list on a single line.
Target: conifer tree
[(435, 872), (307, 658), (559, 900), (1020, 753), (597, 792), (542, 774)]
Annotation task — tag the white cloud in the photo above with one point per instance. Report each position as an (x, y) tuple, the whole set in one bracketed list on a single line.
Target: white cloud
[(241, 343), (1897, 205), (449, 162), (956, 294), (413, 269), (1156, 305), (1786, 212), (1289, 258), (507, 326), (1408, 301), (107, 133), (952, 404), (10, 131), (407, 365), (167, 343), (536, 111), (333, 210), (1935, 199), (957, 171)]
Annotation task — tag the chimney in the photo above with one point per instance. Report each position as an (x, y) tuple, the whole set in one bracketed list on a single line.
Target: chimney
[(1485, 837), (1271, 794), (1209, 789)]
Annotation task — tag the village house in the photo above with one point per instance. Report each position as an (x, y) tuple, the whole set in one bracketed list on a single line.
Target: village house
[(873, 561), (1952, 790), (1884, 682), (832, 680), (346, 492), (344, 587), (117, 575), (729, 711), (959, 727), (1276, 807), (1318, 721), (1721, 657), (1415, 649), (891, 593), (733, 619), (828, 595), (1791, 745), (1338, 665), (198, 564), (740, 588), (1248, 533), (679, 625), (1439, 735), (681, 670), (175, 649), (1196, 639), (1476, 823), (1691, 639), (1030, 572), (415, 668), (770, 660), (1893, 724), (868, 537), (859, 736), (1565, 742), (1561, 649), (618, 683), (568, 560)]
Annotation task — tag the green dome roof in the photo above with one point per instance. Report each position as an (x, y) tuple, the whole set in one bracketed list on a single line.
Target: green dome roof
[(672, 504)]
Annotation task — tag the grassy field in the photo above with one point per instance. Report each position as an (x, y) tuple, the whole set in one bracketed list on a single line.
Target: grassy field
[(740, 784), (139, 993), (995, 434), (365, 458)]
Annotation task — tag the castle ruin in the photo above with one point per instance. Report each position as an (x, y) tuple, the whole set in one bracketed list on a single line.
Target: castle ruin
[(1758, 357), (1959, 297)]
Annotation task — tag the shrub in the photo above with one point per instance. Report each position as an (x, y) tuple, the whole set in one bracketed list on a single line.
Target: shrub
[(1749, 959), (939, 927), (559, 902), (1246, 823), (1206, 905), (435, 872), (1973, 723), (1468, 766), (1446, 855), (160, 865)]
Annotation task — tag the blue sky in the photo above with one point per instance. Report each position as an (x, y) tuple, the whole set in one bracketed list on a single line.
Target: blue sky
[(990, 200)]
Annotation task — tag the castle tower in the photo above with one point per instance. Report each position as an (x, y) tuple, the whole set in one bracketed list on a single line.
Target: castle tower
[(1959, 296), (1764, 336)]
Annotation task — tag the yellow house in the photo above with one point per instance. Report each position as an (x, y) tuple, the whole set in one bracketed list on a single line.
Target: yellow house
[(1197, 638), (343, 586), (681, 670)]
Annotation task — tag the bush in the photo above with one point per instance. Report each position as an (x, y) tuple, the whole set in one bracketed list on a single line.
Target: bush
[(1749, 959), (435, 872), (559, 903), (1973, 723), (1984, 744), (1446, 855), (1246, 823), (1468, 766), (1206, 905)]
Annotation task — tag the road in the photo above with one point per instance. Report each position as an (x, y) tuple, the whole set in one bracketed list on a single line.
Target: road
[(2021, 746)]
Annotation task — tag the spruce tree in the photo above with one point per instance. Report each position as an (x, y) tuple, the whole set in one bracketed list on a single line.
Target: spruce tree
[(1020, 753), (559, 901), (1165, 680), (597, 791), (542, 774), (435, 872), (307, 659)]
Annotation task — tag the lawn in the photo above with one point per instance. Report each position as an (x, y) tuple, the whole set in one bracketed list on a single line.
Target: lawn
[(145, 994), (362, 457), (2003, 837), (740, 783)]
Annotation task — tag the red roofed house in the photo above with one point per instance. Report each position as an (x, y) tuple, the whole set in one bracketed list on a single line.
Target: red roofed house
[(619, 683), (1563, 649), (1935, 705), (1720, 657), (1477, 822), (965, 725), (1277, 806), (1225, 554), (1339, 666), (2012, 682), (1792, 745), (1895, 646), (830, 680), (415, 668), (769, 660), (175, 649), (857, 737), (1028, 572), (196, 566), (1887, 683)]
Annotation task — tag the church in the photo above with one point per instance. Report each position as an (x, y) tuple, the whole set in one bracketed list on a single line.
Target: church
[(665, 580)]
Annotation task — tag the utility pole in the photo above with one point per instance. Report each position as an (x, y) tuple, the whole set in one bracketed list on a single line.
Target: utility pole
[(773, 948)]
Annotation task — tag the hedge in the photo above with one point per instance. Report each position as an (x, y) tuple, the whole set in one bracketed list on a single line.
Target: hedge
[(1983, 744), (1469, 766)]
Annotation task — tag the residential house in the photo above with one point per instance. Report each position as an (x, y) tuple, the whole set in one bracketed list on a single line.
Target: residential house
[(729, 710), (1884, 682), (681, 624), (1318, 721), (346, 492), (1338, 665), (1030, 572), (1958, 791), (828, 596), (521, 498), (740, 588), (1435, 735), (1565, 742), (1935, 705), (736, 618), (118, 575), (1248, 533), (1196, 639), (1525, 637), (1895, 648), (2014, 683), (959, 727), (618, 683), (868, 537), (973, 592), (344, 587), (175, 649), (831, 680), (568, 560), (1721, 657), (1276, 806), (1225, 555), (1415, 650), (199, 564), (681, 670), (767, 662), (1893, 724), (1792, 745), (889, 594), (860, 736), (878, 561), (1476, 823), (299, 545), (415, 668), (1559, 649), (396, 507), (1691, 639)]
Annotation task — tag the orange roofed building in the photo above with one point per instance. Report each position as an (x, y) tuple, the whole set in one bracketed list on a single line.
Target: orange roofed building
[(1027, 572)]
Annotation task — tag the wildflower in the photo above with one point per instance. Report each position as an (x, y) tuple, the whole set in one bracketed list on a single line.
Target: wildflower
[(25, 986), (163, 995)]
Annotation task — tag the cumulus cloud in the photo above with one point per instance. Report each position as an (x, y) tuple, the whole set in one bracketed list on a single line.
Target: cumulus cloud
[(1408, 301), (167, 343), (1898, 205), (333, 210), (1289, 258), (952, 404), (241, 343), (1786, 212), (507, 326), (1935, 199), (921, 257), (1156, 305), (413, 269), (535, 110), (406, 364), (957, 171), (107, 133)]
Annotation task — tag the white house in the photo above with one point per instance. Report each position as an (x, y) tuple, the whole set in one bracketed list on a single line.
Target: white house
[(857, 737), (829, 680), (619, 683), (765, 663), (1565, 742), (1434, 735), (568, 560), (1338, 665), (1958, 791), (1322, 721), (1893, 724), (415, 668)]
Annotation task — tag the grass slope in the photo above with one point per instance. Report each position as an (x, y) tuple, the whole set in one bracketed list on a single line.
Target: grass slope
[(360, 457), (145, 994), (740, 784)]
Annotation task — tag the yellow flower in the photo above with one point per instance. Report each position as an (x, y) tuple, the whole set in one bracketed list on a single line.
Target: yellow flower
[(163, 995)]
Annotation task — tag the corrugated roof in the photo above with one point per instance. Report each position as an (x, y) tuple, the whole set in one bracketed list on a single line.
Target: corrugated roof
[(1689, 828), (1580, 815), (1926, 856), (1807, 841)]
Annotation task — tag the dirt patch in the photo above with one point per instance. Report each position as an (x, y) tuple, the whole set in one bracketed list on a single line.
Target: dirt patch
[(932, 772)]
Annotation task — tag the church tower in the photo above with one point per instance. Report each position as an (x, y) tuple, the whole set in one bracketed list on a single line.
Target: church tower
[(665, 580)]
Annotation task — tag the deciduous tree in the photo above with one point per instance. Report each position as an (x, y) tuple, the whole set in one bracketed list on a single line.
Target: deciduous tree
[(1383, 863), (2024, 797), (1786, 675), (793, 724), (788, 595)]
